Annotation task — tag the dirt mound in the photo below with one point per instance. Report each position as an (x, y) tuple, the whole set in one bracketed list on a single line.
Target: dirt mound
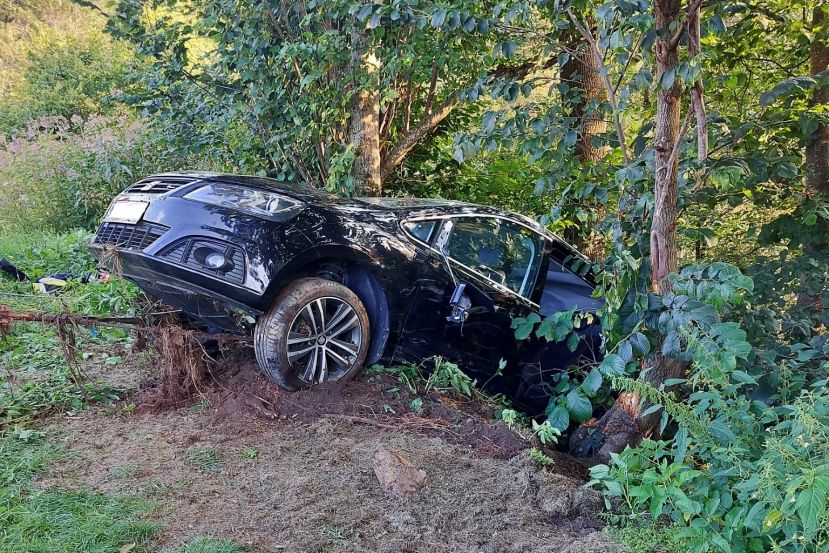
[(235, 387)]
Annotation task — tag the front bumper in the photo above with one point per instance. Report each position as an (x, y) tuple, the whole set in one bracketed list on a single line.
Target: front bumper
[(199, 297)]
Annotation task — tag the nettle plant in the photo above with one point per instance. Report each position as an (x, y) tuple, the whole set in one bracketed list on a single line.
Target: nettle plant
[(740, 467)]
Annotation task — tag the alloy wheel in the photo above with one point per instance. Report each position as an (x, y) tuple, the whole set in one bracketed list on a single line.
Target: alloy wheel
[(324, 339)]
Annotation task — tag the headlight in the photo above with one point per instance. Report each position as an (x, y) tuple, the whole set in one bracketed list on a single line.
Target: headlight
[(250, 200)]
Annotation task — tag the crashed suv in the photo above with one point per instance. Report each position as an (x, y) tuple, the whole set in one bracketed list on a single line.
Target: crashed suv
[(334, 284)]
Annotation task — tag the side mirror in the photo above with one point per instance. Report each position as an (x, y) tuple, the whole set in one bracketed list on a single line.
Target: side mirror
[(460, 304)]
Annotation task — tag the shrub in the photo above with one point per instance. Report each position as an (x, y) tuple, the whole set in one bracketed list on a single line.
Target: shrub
[(57, 61), (58, 178)]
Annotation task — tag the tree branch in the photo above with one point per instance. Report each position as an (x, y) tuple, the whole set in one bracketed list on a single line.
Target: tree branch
[(417, 133)]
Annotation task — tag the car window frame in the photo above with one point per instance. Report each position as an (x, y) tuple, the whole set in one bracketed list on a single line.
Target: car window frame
[(545, 243)]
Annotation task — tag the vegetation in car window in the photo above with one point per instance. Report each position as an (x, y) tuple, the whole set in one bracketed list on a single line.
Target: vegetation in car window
[(422, 230), (506, 254)]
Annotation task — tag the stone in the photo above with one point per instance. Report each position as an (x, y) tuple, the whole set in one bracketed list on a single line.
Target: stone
[(397, 476)]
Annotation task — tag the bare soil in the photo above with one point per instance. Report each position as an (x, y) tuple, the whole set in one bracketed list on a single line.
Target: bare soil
[(282, 472)]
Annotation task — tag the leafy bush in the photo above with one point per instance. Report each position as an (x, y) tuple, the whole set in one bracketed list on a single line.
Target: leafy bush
[(744, 463), (66, 74), (38, 253), (58, 178), (744, 470), (751, 489)]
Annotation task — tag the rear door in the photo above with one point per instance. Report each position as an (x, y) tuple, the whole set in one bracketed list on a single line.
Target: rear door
[(499, 260)]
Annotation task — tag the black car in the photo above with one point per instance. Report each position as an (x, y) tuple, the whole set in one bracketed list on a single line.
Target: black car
[(331, 284)]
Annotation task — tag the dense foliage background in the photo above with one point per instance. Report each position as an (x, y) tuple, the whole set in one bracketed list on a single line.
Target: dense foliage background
[(504, 103)]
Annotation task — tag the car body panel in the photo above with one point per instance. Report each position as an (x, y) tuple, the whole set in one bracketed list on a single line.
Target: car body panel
[(405, 283)]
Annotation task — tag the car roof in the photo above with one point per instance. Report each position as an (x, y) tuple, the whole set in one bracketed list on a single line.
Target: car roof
[(402, 207)]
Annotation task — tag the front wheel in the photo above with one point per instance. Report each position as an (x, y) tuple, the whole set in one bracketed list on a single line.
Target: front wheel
[(317, 331)]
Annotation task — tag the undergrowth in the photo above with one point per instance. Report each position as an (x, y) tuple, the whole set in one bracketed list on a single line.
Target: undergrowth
[(35, 378)]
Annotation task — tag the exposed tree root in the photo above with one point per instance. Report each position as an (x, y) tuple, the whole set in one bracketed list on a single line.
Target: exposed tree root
[(184, 364)]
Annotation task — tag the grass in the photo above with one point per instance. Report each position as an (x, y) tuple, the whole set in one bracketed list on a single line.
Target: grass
[(208, 545), (649, 538), (37, 380), (38, 521), (204, 460)]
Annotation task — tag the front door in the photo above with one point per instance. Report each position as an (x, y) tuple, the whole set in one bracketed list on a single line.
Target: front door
[(499, 261)]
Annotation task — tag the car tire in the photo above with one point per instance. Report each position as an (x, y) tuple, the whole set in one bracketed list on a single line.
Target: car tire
[(300, 330)]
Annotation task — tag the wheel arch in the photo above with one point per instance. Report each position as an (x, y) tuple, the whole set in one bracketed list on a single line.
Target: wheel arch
[(359, 272)]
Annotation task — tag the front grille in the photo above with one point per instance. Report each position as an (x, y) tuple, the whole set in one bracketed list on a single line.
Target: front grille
[(160, 185), (182, 253), (133, 237)]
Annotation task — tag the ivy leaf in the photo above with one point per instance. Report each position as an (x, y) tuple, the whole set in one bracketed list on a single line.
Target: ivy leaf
[(579, 406)]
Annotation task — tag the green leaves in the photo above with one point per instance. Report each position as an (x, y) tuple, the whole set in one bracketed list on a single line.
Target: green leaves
[(612, 365), (559, 418), (811, 504), (578, 406), (524, 326), (793, 85)]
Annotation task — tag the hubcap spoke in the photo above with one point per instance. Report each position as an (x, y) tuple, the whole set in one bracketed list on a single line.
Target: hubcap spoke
[(323, 362), (297, 338), (311, 366), (310, 317), (300, 353), (342, 312), (350, 348), (350, 323), (345, 362), (320, 303)]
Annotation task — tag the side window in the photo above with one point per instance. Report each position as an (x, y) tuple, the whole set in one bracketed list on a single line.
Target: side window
[(501, 250), (422, 230)]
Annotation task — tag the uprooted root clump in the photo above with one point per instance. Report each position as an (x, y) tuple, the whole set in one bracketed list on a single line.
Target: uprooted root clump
[(185, 368)]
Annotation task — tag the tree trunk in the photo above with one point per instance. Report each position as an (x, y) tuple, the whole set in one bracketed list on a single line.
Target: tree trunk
[(618, 425), (581, 73), (817, 158), (364, 122), (817, 148)]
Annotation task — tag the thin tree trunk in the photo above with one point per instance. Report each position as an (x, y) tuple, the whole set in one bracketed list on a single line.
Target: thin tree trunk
[(817, 148), (620, 424), (364, 122), (697, 91), (663, 237), (817, 156)]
